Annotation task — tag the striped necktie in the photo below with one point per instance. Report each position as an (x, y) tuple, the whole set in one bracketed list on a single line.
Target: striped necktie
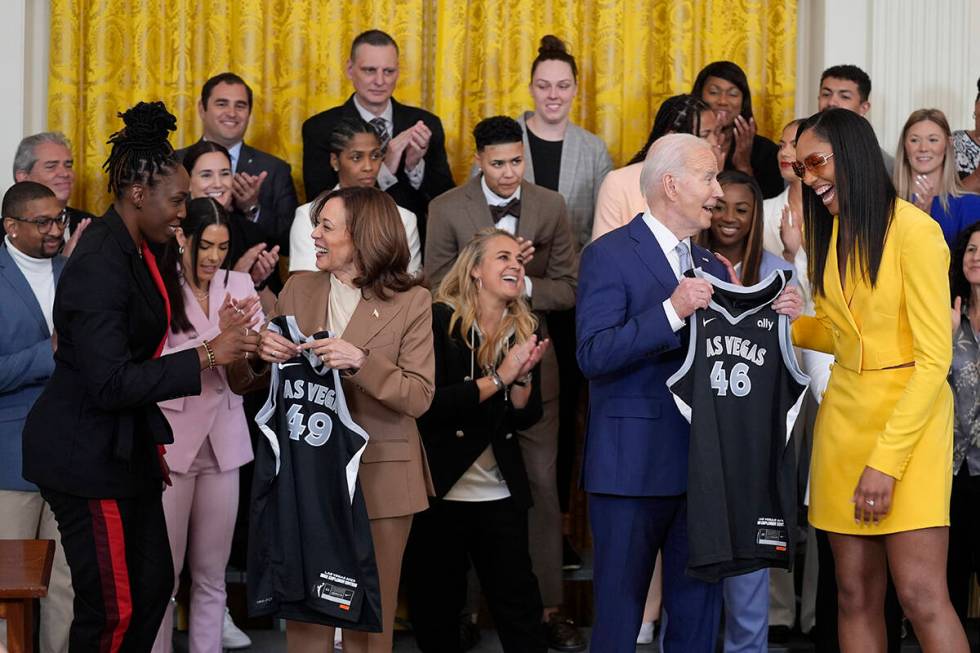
[(381, 127)]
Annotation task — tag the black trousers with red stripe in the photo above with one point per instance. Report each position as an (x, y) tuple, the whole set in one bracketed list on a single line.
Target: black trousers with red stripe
[(121, 569)]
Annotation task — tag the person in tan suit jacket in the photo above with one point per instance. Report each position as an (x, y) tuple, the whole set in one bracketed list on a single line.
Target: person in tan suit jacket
[(364, 292), (499, 196)]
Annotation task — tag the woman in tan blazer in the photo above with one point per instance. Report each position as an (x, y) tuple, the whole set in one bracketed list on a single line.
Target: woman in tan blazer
[(364, 292)]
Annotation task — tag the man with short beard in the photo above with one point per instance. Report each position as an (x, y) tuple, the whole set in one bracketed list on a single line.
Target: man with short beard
[(30, 266)]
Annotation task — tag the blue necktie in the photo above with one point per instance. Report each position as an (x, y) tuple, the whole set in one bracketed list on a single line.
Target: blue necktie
[(683, 257)]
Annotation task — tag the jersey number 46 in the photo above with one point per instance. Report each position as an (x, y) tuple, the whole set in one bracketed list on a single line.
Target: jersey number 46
[(739, 382)]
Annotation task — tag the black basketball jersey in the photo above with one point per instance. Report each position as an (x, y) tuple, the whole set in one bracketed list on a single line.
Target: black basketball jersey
[(741, 388), (310, 552)]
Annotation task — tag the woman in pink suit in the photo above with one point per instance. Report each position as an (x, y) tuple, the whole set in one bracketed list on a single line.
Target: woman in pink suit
[(211, 437)]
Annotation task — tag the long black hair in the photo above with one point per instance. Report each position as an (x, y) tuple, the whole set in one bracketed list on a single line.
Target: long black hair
[(680, 114), (731, 73), (865, 196), (202, 213), (958, 285), (752, 250), (141, 150)]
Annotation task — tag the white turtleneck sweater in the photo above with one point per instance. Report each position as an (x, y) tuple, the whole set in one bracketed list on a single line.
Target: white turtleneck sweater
[(39, 273)]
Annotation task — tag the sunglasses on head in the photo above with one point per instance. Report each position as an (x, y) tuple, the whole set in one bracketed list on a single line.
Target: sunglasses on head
[(812, 163)]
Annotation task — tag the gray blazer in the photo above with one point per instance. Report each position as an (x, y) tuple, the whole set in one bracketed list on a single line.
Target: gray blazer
[(585, 163)]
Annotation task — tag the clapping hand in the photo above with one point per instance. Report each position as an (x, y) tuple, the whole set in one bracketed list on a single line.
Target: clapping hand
[(239, 313), (75, 237), (924, 192), (520, 360), (744, 138), (418, 144), (245, 189), (791, 233), (258, 262)]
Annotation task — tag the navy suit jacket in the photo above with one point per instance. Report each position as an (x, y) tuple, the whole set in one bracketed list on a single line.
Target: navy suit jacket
[(636, 441), (26, 362)]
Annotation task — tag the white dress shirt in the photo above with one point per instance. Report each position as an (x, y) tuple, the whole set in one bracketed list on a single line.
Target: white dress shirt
[(235, 151), (508, 223), (668, 242), (386, 177)]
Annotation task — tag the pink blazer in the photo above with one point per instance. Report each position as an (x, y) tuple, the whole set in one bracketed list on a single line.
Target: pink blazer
[(619, 200), (217, 412)]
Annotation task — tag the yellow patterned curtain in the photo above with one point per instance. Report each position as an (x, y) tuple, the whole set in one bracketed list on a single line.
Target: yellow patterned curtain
[(462, 60)]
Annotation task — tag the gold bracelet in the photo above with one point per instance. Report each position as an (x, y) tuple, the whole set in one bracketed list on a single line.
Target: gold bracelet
[(210, 353)]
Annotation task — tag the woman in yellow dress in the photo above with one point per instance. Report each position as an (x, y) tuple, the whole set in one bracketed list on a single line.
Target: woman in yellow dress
[(882, 457)]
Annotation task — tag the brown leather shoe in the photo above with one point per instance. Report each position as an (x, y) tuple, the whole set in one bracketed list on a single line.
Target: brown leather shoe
[(563, 634)]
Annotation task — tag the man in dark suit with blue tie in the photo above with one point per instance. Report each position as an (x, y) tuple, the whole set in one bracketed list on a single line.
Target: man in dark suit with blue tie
[(262, 188), (631, 338)]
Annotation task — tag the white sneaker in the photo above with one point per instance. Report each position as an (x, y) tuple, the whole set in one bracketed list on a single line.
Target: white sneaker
[(646, 633), (232, 636)]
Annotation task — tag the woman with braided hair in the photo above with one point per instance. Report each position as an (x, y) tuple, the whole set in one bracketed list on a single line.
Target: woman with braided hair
[(93, 441)]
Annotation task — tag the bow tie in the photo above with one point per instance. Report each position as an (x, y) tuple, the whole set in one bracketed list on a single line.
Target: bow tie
[(512, 207)]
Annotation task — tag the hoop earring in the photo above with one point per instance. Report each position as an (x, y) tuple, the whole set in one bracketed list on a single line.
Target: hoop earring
[(180, 250), (479, 283)]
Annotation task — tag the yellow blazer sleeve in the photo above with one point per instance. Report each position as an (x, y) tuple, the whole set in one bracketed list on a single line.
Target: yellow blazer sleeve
[(811, 333), (924, 264)]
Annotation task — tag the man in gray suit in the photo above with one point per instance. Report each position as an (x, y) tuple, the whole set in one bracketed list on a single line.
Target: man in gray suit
[(499, 196)]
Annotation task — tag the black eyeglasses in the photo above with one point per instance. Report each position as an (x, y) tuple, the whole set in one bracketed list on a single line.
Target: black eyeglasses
[(812, 163), (44, 224)]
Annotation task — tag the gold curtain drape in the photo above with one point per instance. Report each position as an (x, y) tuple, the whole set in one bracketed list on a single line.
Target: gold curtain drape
[(463, 60)]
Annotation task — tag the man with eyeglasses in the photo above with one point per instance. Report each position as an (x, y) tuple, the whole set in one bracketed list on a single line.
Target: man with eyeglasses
[(46, 158), (34, 220)]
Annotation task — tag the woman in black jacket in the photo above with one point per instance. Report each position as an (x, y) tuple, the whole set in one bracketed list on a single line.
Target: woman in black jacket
[(487, 390), (93, 441)]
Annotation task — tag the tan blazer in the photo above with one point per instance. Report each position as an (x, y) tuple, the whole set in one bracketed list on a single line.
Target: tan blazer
[(395, 385)]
